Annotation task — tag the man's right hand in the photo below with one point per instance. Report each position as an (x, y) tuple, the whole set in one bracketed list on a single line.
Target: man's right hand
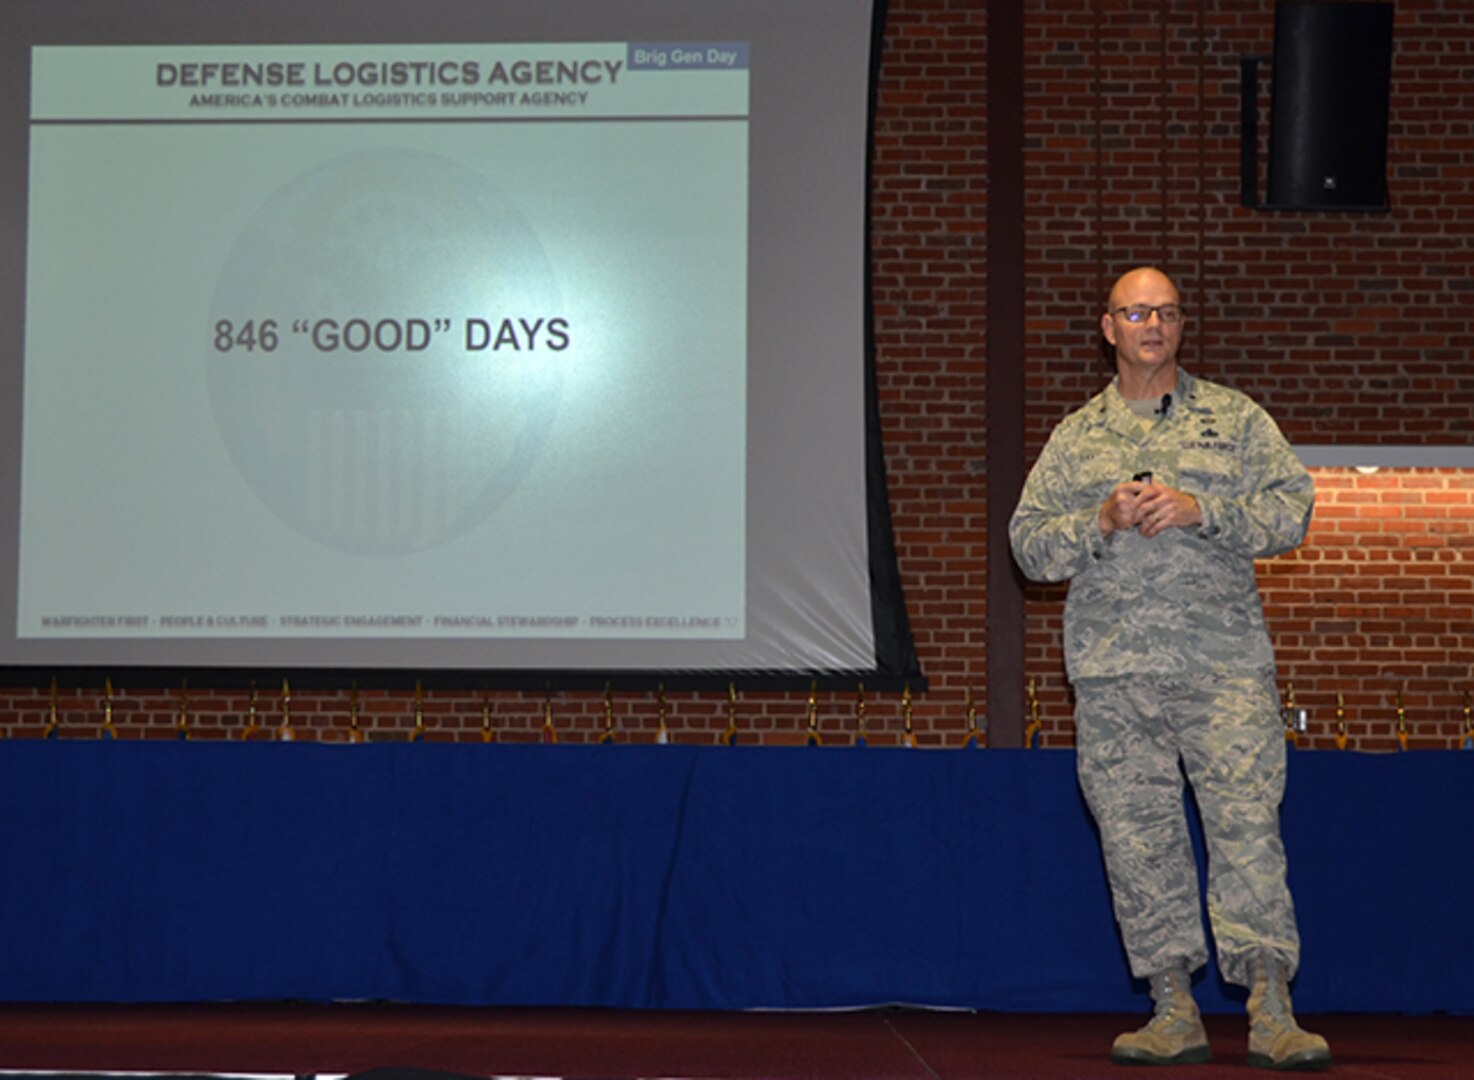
[(1122, 510)]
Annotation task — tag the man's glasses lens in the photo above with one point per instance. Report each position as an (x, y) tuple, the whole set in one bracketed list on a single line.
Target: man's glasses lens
[(1140, 313)]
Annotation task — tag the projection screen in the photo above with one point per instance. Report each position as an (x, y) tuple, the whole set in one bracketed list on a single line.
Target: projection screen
[(466, 336)]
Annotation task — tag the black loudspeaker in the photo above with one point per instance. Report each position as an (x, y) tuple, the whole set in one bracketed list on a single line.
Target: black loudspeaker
[(1331, 72)]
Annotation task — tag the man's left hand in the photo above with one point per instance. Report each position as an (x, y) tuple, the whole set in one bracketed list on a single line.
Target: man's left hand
[(1165, 508)]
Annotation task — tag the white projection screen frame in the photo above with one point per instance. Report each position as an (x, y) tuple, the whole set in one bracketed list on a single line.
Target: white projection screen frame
[(504, 340)]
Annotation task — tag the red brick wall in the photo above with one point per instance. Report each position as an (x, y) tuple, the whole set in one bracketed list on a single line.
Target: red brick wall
[(1349, 328), (1379, 605), (929, 236)]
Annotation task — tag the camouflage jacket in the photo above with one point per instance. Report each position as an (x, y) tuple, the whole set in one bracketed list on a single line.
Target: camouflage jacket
[(1186, 600)]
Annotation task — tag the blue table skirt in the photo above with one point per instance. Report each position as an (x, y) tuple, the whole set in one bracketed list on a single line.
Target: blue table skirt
[(671, 877)]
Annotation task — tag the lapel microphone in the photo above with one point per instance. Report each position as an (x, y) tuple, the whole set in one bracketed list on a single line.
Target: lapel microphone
[(1166, 404)]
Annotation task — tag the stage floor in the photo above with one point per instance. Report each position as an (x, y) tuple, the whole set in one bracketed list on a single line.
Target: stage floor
[(292, 1040)]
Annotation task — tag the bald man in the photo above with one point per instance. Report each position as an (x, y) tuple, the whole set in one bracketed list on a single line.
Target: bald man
[(1153, 501)]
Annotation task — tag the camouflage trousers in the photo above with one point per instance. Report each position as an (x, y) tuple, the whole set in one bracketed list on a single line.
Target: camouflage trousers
[(1225, 731)]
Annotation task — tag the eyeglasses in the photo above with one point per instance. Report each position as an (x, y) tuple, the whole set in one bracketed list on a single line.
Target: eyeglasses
[(1140, 313)]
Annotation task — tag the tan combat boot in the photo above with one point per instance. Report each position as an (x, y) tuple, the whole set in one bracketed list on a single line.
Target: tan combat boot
[(1275, 1040), (1174, 1035)]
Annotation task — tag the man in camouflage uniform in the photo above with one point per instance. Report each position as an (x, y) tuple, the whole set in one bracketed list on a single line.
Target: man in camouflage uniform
[(1154, 500)]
